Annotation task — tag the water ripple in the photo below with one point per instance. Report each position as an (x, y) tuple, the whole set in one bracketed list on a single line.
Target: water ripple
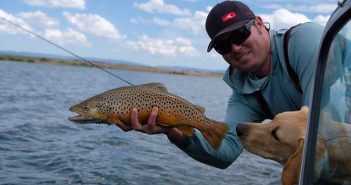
[(38, 145)]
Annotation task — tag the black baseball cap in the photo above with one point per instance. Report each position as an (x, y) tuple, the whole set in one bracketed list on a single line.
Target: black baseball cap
[(226, 16)]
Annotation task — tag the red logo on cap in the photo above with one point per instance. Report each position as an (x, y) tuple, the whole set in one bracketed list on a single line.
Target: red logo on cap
[(229, 16)]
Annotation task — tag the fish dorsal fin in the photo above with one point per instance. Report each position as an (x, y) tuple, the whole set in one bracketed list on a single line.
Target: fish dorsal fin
[(159, 86), (200, 108)]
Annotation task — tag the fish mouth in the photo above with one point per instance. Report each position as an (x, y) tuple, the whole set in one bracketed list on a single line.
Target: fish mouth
[(83, 119), (82, 116)]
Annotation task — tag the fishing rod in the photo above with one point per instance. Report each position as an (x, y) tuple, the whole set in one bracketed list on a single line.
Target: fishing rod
[(60, 47)]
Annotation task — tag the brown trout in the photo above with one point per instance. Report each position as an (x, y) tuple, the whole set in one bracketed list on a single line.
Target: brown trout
[(115, 105)]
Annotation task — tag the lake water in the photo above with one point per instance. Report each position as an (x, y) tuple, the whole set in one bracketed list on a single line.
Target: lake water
[(38, 145)]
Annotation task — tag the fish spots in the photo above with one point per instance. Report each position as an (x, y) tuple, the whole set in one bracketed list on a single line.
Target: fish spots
[(172, 108)]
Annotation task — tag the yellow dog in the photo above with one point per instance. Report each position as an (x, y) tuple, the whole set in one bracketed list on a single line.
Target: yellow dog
[(282, 140)]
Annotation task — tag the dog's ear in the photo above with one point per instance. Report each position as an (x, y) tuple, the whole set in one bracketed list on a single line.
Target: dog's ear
[(305, 110), (291, 171)]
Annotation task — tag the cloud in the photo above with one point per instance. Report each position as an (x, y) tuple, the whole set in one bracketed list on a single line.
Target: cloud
[(38, 19), (68, 36), (159, 6), (155, 20), (195, 23), (11, 29), (42, 24), (324, 8), (75, 4), (322, 20), (168, 47), (95, 25), (162, 22), (283, 18)]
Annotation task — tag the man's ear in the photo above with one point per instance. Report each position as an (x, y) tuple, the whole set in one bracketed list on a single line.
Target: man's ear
[(259, 22), (259, 25), (291, 171)]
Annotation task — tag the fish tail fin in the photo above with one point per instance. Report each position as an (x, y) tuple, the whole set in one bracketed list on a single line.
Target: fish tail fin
[(215, 133)]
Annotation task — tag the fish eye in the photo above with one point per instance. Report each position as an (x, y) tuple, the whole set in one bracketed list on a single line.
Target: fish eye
[(274, 133)]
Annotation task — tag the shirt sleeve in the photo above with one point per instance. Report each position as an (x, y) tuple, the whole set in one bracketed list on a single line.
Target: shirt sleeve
[(198, 148), (303, 49)]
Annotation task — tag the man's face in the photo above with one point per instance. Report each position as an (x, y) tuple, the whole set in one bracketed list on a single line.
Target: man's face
[(250, 55)]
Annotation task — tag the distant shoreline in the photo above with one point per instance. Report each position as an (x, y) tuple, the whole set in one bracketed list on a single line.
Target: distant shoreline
[(58, 61)]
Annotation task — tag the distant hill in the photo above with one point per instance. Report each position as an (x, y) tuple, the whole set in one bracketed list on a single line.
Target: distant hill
[(90, 59), (191, 69), (111, 61)]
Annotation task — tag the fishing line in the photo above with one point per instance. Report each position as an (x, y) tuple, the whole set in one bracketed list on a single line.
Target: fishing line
[(60, 47)]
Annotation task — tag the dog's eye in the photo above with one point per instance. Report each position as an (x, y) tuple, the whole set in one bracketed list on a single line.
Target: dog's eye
[(274, 134)]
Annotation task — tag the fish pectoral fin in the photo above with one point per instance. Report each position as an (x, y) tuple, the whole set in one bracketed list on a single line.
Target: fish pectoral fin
[(187, 130), (113, 120)]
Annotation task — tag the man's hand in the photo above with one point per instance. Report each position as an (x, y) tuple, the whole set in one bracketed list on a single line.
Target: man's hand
[(151, 127)]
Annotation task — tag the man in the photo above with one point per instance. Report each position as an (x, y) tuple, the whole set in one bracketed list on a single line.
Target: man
[(256, 66)]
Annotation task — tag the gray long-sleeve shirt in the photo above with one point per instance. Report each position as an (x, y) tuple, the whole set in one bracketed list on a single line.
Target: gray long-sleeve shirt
[(277, 89)]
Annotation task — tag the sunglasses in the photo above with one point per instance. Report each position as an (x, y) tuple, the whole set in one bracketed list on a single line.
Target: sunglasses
[(236, 37)]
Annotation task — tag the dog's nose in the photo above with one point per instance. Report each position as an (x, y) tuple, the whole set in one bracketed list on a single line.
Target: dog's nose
[(240, 129)]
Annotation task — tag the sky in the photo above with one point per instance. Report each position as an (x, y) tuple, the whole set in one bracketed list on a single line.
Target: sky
[(147, 32)]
